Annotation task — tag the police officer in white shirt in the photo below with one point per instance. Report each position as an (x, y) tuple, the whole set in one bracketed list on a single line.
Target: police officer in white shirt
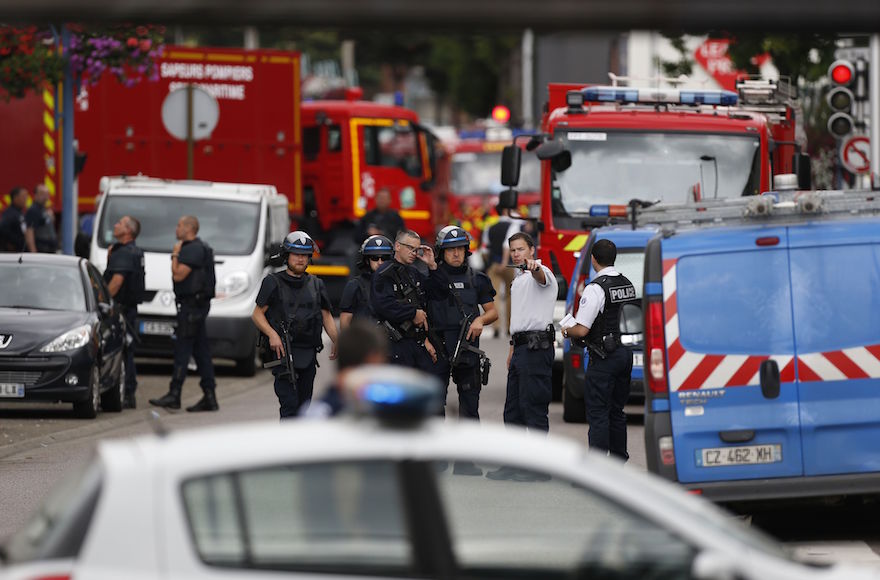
[(610, 366), (530, 362)]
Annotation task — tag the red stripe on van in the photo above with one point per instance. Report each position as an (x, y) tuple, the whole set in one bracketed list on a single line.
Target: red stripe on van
[(675, 352), (746, 371), (699, 375), (668, 265), (671, 306), (874, 349), (846, 365), (786, 375), (805, 373)]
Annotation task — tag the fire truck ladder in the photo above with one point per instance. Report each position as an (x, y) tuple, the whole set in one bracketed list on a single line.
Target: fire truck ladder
[(795, 207)]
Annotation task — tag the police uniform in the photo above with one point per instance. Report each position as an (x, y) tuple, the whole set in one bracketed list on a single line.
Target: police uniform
[(356, 294), (300, 300), (529, 377), (43, 221), (193, 297), (609, 369), (12, 229), (467, 291), (398, 291), (127, 260)]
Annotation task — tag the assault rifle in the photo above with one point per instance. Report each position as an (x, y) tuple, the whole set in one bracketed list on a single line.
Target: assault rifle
[(286, 359), (462, 346)]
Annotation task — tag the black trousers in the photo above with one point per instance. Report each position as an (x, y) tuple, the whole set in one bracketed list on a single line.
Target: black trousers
[(606, 392), (468, 385), (529, 388), (293, 396), (409, 353), (130, 314), (191, 339)]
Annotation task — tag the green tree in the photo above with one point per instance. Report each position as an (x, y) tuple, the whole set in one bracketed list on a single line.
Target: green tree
[(794, 55)]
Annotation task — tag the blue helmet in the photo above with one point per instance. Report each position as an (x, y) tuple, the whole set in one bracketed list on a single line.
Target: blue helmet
[(452, 237), (374, 246), (298, 242)]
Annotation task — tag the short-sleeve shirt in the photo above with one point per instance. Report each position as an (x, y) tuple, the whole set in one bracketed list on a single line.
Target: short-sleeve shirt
[(12, 228), (269, 295), (40, 219), (353, 299), (531, 304), (192, 253), (123, 260), (593, 299)]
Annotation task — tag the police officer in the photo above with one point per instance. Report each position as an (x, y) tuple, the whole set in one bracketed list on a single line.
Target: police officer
[(468, 290), (291, 308), (399, 299), (609, 370), (125, 281), (40, 235), (12, 224), (355, 303), (192, 271)]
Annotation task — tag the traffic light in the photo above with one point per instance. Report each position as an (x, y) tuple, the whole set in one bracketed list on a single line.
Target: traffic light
[(840, 98)]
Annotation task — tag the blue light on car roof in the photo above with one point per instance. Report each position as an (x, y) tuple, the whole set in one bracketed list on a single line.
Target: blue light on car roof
[(659, 95), (599, 210), (393, 392)]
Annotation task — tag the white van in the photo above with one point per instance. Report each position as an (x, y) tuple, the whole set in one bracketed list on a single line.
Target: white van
[(243, 223)]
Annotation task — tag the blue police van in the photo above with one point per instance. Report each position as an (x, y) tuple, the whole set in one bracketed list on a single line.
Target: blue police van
[(630, 262), (763, 346)]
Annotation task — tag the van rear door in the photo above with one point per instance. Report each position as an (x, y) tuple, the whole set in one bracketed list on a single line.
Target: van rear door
[(835, 274), (727, 302)]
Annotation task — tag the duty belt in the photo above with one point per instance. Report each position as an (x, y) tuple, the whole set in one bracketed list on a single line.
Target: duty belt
[(521, 338)]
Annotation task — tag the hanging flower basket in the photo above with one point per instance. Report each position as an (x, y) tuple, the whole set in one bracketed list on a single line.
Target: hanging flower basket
[(30, 58)]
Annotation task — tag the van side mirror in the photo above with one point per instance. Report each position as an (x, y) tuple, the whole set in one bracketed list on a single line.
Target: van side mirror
[(511, 159), (802, 167), (274, 260), (507, 199)]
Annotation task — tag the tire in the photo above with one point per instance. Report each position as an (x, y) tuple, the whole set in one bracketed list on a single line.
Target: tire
[(88, 409), (558, 381), (574, 410), (111, 399), (247, 366)]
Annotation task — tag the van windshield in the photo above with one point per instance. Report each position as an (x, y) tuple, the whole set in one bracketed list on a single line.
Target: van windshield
[(230, 227)]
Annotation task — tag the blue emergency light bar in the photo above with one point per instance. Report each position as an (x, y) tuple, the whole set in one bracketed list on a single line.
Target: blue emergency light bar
[(607, 210), (647, 95), (394, 393)]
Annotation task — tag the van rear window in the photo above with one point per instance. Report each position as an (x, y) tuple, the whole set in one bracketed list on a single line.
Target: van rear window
[(735, 303), (836, 303)]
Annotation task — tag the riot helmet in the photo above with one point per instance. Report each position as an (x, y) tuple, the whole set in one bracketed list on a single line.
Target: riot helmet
[(297, 242), (452, 237), (374, 246)]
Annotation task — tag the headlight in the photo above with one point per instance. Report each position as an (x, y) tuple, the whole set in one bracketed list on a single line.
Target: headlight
[(70, 340), (233, 285)]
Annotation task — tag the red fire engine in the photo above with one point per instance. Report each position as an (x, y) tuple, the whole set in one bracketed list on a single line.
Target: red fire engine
[(474, 185), (604, 146), (351, 150)]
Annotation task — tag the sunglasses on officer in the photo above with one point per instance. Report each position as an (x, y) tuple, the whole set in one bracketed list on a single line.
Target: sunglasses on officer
[(378, 258)]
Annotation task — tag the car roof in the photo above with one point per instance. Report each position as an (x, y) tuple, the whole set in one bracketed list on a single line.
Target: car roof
[(40, 258), (148, 186)]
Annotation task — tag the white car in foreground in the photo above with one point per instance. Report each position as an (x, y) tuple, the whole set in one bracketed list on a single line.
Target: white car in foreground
[(377, 494)]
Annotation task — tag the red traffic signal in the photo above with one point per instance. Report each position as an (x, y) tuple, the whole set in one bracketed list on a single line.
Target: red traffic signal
[(842, 72), (500, 114)]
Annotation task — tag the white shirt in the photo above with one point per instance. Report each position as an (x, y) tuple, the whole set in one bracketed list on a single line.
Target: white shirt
[(532, 304), (593, 299)]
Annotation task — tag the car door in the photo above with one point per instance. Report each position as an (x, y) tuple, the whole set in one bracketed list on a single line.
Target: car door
[(835, 274), (727, 307)]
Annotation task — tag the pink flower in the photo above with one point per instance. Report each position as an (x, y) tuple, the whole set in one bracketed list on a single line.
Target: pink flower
[(145, 45), (132, 42)]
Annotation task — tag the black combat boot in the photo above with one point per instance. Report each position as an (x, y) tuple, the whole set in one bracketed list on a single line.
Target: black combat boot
[(170, 400), (208, 402)]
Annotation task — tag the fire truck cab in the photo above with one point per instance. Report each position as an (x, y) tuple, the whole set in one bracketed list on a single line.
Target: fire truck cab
[(351, 150)]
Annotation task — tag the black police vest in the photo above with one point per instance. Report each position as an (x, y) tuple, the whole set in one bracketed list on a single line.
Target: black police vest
[(303, 309), (407, 285), (199, 284), (446, 314), (363, 310), (132, 258), (618, 291)]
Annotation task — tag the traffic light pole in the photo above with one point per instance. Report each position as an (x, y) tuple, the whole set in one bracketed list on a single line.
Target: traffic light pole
[(874, 113)]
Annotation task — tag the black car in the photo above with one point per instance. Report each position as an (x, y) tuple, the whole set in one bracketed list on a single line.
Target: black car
[(62, 338)]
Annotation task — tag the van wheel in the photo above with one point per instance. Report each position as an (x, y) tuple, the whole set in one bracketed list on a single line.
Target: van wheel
[(247, 366), (574, 410), (88, 409)]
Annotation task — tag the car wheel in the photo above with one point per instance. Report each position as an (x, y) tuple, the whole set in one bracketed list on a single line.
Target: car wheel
[(88, 409), (558, 382), (247, 366), (574, 410), (111, 400)]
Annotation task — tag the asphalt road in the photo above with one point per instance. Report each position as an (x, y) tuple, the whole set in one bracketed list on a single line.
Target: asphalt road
[(38, 443)]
